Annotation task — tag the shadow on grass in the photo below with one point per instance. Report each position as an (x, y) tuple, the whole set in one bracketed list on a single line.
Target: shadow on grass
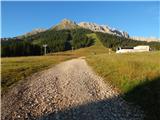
[(147, 96)]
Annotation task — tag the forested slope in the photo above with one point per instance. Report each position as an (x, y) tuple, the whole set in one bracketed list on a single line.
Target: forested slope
[(60, 40)]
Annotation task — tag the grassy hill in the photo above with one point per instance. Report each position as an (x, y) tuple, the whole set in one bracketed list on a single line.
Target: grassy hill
[(18, 68)]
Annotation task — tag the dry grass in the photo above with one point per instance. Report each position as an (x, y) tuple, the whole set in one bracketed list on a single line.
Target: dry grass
[(137, 77), (17, 68), (125, 71)]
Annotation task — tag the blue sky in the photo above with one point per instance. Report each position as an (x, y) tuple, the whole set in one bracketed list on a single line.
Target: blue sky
[(137, 18)]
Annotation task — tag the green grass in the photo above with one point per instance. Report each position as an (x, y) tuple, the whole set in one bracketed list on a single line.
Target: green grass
[(17, 68), (135, 75), (125, 71)]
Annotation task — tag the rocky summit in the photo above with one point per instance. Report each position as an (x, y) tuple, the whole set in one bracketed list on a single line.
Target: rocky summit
[(65, 24), (68, 24), (103, 28), (95, 27)]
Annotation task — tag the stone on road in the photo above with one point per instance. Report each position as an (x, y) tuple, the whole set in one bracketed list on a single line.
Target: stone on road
[(68, 91)]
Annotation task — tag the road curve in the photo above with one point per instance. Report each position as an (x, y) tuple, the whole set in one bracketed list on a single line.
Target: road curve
[(68, 91)]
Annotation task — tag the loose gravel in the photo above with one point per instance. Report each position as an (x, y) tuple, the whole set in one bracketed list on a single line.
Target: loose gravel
[(68, 91)]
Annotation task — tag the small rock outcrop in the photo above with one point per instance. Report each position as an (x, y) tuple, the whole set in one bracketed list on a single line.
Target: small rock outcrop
[(35, 31)]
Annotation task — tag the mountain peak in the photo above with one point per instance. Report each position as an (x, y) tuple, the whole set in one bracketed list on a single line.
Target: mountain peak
[(69, 24), (67, 21), (65, 24)]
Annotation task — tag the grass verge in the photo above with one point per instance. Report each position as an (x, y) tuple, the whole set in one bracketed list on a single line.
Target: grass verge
[(17, 68), (136, 75)]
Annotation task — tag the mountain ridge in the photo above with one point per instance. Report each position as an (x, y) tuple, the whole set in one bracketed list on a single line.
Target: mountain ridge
[(69, 24)]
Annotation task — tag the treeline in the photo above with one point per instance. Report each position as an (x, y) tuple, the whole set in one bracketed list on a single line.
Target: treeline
[(56, 41), (18, 47), (113, 42)]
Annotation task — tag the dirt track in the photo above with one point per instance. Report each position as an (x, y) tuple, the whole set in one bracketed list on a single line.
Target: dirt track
[(68, 91)]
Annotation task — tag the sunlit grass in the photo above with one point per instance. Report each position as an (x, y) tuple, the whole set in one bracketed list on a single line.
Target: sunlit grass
[(17, 68), (125, 71), (135, 75)]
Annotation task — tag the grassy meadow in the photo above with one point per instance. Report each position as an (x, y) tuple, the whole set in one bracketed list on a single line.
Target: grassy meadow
[(125, 71), (135, 75), (17, 68)]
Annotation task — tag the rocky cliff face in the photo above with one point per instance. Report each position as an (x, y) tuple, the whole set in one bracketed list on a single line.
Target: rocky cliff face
[(68, 24), (120, 33), (95, 27), (103, 28)]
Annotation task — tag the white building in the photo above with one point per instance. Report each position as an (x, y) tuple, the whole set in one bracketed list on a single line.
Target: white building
[(140, 48)]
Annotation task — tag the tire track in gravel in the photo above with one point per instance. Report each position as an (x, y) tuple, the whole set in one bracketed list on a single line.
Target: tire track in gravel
[(68, 91)]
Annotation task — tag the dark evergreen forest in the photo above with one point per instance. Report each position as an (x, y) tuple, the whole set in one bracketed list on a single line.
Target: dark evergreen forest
[(113, 42)]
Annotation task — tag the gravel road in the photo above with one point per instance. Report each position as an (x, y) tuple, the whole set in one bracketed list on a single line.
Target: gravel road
[(68, 91)]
